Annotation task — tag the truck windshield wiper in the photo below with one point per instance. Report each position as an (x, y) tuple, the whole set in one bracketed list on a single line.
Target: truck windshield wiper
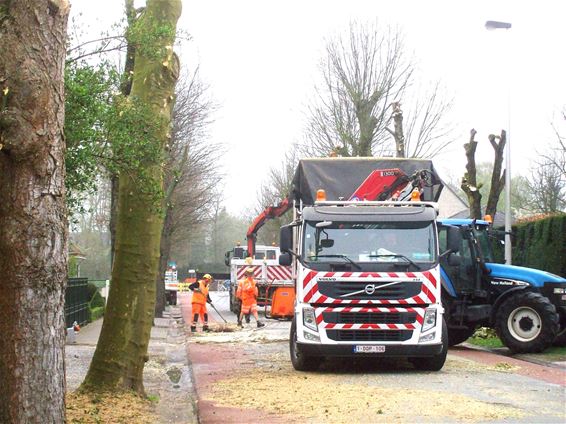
[(336, 256), (396, 255)]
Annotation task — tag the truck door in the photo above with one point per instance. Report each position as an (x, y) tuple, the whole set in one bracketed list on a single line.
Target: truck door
[(461, 271)]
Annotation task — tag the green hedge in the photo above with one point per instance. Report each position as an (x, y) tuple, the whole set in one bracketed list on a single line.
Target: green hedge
[(95, 313), (539, 244)]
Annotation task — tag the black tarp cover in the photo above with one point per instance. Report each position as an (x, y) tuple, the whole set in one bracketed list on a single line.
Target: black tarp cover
[(340, 177)]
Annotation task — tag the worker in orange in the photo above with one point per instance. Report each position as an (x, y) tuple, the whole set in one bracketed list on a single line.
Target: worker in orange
[(247, 292), (198, 303)]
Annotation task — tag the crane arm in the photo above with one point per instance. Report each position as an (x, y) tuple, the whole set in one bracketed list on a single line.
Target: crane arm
[(268, 213)]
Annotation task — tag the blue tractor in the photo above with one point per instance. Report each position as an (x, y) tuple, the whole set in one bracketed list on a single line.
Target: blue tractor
[(527, 307)]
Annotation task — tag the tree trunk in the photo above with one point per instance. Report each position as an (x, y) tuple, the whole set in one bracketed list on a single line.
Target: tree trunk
[(33, 229), (125, 89), (497, 177), (164, 253), (122, 348), (398, 131), (469, 182)]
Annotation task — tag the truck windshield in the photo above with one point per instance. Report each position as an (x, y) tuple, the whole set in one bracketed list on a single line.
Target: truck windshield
[(369, 242)]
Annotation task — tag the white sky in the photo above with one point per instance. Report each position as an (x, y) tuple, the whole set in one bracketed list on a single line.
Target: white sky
[(260, 59)]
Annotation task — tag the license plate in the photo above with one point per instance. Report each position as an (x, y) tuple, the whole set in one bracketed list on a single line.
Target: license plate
[(369, 349)]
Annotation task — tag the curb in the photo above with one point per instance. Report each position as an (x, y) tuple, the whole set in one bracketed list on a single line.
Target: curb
[(508, 354)]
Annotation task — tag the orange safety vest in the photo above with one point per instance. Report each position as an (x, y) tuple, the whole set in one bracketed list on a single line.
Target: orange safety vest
[(200, 297), (247, 291)]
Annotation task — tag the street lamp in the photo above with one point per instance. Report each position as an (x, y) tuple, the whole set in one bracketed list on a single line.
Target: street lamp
[(493, 25)]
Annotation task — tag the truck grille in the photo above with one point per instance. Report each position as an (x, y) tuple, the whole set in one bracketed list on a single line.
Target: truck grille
[(369, 317), (369, 335), (337, 289)]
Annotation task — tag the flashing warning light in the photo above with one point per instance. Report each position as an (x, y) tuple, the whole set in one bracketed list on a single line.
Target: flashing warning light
[(320, 195), (415, 195), (488, 218)]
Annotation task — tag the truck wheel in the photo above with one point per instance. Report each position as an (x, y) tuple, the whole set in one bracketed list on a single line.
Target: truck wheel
[(300, 361), (459, 335), (527, 322), (436, 362)]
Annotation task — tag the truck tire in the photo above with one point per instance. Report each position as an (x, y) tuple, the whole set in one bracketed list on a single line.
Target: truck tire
[(459, 335), (527, 322), (300, 361), (436, 362), (235, 304)]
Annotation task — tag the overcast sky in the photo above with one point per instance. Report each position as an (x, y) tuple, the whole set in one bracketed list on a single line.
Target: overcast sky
[(261, 58)]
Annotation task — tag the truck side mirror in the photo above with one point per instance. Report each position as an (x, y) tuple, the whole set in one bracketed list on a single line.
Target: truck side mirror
[(285, 259), (286, 238), (227, 258), (454, 239)]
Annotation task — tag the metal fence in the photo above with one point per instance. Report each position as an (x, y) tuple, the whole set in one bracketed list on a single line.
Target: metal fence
[(76, 301)]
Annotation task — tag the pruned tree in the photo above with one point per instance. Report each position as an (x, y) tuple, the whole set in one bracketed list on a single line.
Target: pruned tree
[(366, 77), (139, 134), (497, 174), (33, 230), (470, 184)]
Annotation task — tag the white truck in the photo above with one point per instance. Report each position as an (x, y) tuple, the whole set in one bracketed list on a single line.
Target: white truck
[(268, 273), (365, 268)]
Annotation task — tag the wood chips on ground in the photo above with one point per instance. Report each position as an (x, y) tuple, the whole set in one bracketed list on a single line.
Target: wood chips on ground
[(109, 408), (332, 398)]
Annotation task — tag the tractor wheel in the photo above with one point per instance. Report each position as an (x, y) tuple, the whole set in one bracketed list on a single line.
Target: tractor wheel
[(300, 361), (436, 362), (527, 322), (459, 335), (560, 339)]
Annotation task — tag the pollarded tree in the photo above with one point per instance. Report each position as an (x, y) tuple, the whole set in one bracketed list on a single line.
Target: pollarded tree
[(33, 229), (139, 135)]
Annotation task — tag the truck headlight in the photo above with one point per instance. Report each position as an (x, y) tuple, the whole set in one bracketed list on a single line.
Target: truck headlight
[(309, 319), (429, 320)]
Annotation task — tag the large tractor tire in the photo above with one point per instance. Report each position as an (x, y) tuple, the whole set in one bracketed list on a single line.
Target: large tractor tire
[(459, 335), (560, 339), (300, 361), (527, 322), (436, 362)]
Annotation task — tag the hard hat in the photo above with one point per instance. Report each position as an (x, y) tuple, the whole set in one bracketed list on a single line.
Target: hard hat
[(249, 270), (207, 277)]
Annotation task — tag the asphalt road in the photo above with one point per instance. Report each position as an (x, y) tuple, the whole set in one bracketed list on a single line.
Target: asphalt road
[(245, 376)]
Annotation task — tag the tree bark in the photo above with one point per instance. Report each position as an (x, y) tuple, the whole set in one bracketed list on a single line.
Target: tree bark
[(497, 177), (164, 253), (125, 89), (33, 229), (398, 131), (469, 182), (122, 348)]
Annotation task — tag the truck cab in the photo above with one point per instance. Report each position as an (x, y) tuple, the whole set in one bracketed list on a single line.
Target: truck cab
[(367, 282), (527, 307)]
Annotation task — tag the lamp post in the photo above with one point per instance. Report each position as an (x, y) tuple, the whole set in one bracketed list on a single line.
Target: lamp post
[(493, 25)]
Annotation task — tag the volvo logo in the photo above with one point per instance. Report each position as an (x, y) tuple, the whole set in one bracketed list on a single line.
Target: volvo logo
[(370, 289)]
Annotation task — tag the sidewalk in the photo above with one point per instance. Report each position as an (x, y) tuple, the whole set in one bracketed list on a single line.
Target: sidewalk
[(167, 376)]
